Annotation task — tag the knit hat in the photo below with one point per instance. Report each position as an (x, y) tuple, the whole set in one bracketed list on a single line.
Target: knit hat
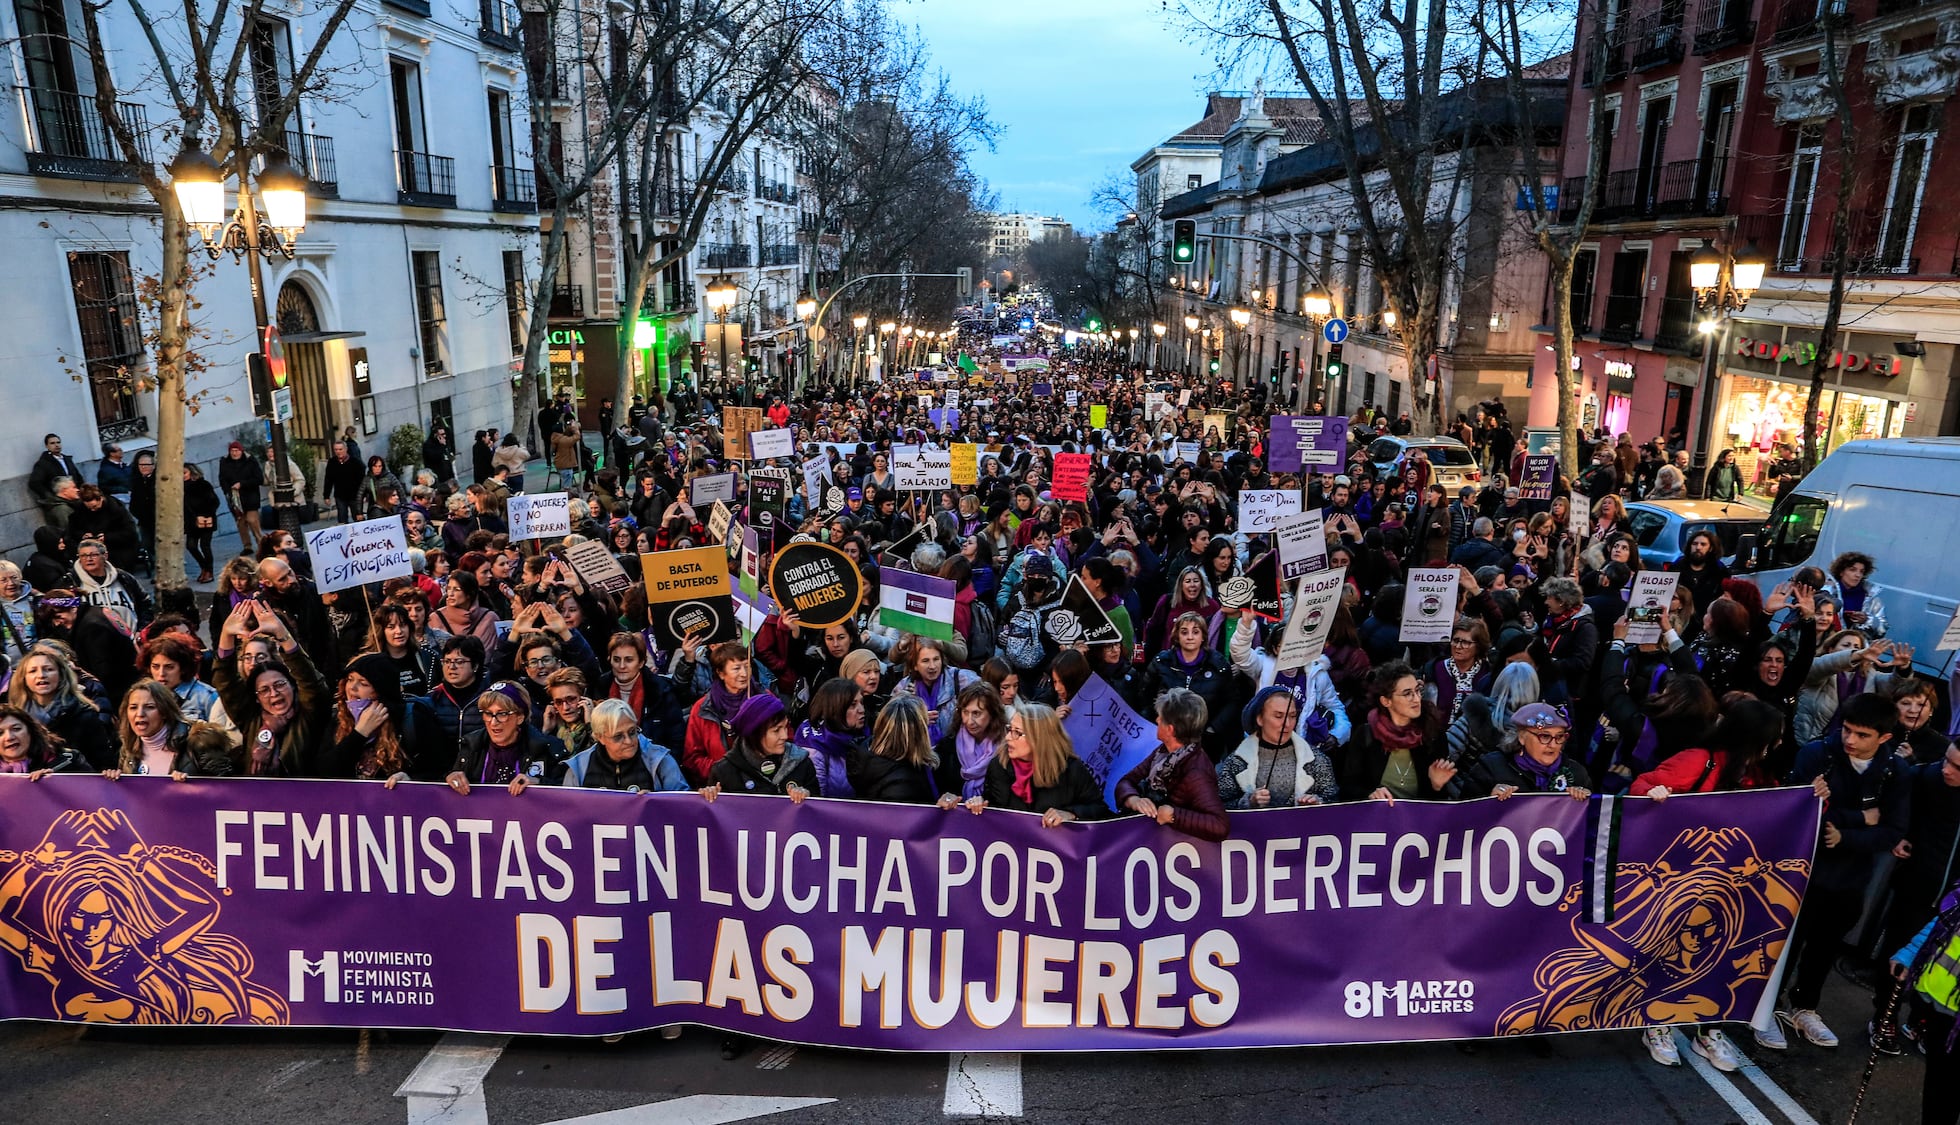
[(1249, 718), (381, 672), (855, 661), (1511, 642), (756, 715), (1038, 564)]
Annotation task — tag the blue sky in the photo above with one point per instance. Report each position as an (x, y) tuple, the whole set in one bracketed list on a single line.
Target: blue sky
[(1079, 87)]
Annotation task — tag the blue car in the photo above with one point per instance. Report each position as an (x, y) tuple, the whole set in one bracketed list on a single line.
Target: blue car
[(1662, 527)]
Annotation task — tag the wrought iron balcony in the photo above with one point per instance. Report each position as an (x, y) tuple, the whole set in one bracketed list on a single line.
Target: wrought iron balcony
[(567, 301), (1804, 18), (723, 255), (780, 254), (68, 137), (1657, 40), (1723, 23), (424, 180), (516, 189), (312, 156)]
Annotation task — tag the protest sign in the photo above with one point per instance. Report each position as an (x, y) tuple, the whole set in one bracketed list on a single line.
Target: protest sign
[(1950, 637), (1579, 518), (718, 520), (1260, 510), (1098, 416), (1078, 619), (1154, 405), (1539, 471), (1071, 477), (917, 468), (1263, 573), (597, 567), (770, 444), (688, 595), (1302, 540), (572, 912), (1648, 600), (816, 581), (1429, 605), (1072, 397), (1307, 443), (1315, 600), (768, 502), (952, 396), (1184, 397), (965, 463), (1109, 737), (899, 552), (1217, 427), (355, 554), (947, 419), (916, 603), (711, 489), (539, 515), (815, 472), (737, 423), (1187, 451), (1041, 390)]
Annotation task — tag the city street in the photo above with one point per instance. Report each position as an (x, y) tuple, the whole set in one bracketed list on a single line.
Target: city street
[(66, 1074)]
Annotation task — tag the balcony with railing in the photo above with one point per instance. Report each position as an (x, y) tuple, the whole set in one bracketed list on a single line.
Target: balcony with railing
[(780, 254), (567, 302), (1657, 39), (1621, 324), (312, 156), (500, 25), (676, 295), (1615, 53), (1801, 19), (1722, 23), (1868, 255), (516, 189), (727, 255), (733, 182), (68, 137), (424, 180)]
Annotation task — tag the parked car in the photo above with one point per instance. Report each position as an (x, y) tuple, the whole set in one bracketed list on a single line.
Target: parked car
[(1453, 463), (1662, 527), (1895, 499)]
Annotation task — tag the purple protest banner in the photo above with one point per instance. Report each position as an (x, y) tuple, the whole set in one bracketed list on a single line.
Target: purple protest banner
[(1540, 470), (580, 912), (1311, 442)]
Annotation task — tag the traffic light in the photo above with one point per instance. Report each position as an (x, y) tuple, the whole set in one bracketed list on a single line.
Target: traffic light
[(1214, 365), (1334, 367), (1184, 241), (751, 364)]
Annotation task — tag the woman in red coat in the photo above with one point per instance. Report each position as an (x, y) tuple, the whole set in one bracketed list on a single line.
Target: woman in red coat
[(708, 731)]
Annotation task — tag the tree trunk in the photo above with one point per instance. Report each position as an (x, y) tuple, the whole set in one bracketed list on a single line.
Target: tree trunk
[(1568, 417), (173, 306), (524, 390), (1840, 247)]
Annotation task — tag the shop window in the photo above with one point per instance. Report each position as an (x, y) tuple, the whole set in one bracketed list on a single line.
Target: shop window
[(1909, 164), (1796, 527)]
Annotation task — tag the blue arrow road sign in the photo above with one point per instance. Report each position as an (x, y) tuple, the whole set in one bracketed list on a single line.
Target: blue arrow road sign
[(1336, 330)]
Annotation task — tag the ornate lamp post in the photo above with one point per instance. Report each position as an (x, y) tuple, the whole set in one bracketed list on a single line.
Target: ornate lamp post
[(1723, 283), (720, 295)]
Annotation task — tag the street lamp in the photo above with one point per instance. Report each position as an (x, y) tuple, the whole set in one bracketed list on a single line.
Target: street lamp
[(1190, 330), (1318, 305), (1723, 283), (267, 226), (720, 295)]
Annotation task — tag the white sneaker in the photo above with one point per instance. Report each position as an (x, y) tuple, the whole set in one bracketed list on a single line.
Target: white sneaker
[(1719, 1051), (1807, 1023), (1771, 1038), (1660, 1044)]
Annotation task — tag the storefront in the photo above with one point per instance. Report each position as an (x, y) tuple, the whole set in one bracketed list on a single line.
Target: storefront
[(1765, 389)]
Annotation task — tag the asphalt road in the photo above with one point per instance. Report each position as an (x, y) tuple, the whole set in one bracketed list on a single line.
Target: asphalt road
[(58, 1074)]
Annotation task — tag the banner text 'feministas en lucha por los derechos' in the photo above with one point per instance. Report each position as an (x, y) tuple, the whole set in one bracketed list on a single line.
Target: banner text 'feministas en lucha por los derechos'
[(584, 913)]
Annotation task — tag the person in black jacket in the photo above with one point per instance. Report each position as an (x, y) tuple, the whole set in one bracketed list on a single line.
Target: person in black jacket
[(49, 467), (28, 750), (899, 765), (1867, 797), (156, 739), (762, 761), (101, 648), (103, 517), (382, 733), (508, 751), (1195, 666), (45, 684), (47, 567), (200, 519), (241, 479), (1036, 770), (343, 477), (439, 457), (143, 497)]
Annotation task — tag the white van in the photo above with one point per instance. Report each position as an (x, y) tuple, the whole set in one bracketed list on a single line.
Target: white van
[(1895, 499)]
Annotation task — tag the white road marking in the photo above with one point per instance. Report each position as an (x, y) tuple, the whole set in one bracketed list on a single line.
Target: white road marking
[(290, 1071), (696, 1109), (984, 1085), (1719, 1082), (1777, 1095), (776, 1058), (446, 1087)]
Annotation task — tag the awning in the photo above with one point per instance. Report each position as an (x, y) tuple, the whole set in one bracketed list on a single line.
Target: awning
[(318, 337), (778, 331)]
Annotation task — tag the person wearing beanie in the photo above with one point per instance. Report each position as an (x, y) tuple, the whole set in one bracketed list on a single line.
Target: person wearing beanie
[(378, 733), (762, 760), (862, 667), (1274, 767), (508, 751)]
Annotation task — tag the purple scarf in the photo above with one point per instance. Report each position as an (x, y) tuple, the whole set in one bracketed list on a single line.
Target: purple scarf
[(725, 702), (500, 764), (975, 757), (1541, 776), (830, 752)]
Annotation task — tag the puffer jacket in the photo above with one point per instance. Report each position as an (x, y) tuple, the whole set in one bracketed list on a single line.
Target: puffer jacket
[(1214, 681), (1818, 703), (660, 762), (540, 757), (200, 749), (738, 772)]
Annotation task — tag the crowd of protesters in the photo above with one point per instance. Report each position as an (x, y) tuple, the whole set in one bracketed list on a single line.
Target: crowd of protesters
[(496, 664)]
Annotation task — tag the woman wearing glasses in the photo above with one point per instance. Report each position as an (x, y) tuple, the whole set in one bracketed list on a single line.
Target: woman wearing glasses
[(281, 706), (1035, 770), (620, 757), (1531, 760), (508, 751), (1398, 751)]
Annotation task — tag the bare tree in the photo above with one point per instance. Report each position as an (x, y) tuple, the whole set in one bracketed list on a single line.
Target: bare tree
[(1142, 256), (1831, 20), (1376, 78), (1510, 32), (197, 62)]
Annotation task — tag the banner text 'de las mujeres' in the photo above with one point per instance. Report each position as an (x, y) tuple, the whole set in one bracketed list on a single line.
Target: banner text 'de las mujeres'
[(895, 927)]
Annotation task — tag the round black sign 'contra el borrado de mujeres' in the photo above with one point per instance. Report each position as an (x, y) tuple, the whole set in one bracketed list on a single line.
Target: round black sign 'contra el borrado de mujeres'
[(817, 582)]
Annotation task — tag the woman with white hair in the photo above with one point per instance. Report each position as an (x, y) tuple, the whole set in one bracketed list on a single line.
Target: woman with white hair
[(1479, 728), (621, 758)]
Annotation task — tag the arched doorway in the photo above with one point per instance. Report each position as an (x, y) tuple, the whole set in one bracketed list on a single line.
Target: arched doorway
[(306, 367)]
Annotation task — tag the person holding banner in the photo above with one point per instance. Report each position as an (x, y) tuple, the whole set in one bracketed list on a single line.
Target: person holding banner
[(156, 740), (1274, 767), (1177, 785), (834, 734), (1035, 770), (965, 753), (1531, 759), (709, 721), (282, 706), (378, 732), (28, 750), (761, 759), (1399, 751), (621, 758), (508, 751)]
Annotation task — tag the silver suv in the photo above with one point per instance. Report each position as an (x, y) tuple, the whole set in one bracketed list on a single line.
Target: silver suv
[(1452, 464)]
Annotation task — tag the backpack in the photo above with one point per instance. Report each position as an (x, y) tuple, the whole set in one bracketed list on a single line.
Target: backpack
[(980, 645), (1019, 641)]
